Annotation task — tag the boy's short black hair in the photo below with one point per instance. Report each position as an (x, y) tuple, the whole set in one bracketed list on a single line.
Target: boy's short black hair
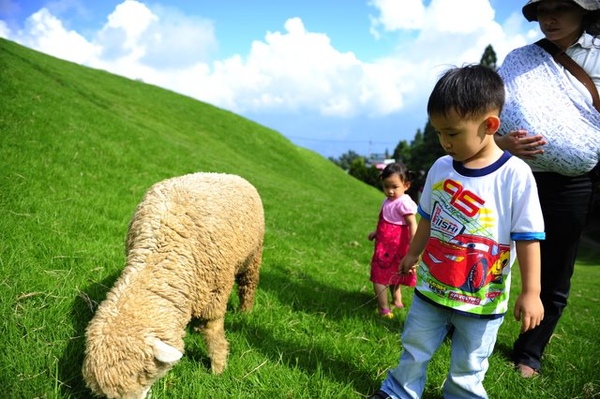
[(470, 91)]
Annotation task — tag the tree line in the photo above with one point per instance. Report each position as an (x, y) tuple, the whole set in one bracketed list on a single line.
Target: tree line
[(418, 155)]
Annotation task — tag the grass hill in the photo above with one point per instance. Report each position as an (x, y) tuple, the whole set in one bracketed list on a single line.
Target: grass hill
[(78, 149)]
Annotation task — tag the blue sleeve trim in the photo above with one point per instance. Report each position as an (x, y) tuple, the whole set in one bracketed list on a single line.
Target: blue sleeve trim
[(423, 214), (532, 236)]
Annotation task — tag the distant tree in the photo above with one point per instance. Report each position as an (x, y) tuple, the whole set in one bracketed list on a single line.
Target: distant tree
[(418, 140), (402, 152), (425, 149), (418, 156), (359, 170), (489, 58), (345, 161)]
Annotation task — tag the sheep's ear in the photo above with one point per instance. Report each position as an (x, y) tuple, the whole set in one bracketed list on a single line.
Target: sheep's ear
[(165, 353)]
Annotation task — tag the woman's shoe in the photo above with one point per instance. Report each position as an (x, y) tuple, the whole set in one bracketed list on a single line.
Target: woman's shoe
[(380, 395)]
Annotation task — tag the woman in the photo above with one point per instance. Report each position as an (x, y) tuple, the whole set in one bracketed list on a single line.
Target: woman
[(550, 121)]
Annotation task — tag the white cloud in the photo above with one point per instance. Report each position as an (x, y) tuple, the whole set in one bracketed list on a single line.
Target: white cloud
[(162, 38), (397, 15), (293, 70), (458, 16), (299, 70), (4, 30), (446, 33), (133, 18), (46, 33)]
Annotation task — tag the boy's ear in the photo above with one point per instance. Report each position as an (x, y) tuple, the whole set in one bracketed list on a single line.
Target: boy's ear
[(492, 124)]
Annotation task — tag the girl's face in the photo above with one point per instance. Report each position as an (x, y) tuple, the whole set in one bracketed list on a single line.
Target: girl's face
[(394, 187), (560, 21)]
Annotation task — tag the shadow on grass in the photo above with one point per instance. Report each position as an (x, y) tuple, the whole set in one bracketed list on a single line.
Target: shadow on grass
[(195, 348), (82, 311), (310, 359), (299, 290), (504, 350), (303, 293)]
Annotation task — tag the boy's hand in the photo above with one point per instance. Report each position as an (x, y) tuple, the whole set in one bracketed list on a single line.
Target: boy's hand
[(408, 264), (529, 311), (372, 235)]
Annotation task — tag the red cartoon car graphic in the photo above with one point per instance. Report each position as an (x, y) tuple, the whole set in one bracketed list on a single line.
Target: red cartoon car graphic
[(467, 262)]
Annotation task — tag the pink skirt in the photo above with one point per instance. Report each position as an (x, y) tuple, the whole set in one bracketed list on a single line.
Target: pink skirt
[(391, 245)]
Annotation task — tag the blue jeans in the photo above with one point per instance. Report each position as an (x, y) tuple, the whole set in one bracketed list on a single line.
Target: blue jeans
[(425, 328)]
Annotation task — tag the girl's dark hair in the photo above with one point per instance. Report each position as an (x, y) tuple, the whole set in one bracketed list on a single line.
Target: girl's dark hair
[(397, 168), (470, 91)]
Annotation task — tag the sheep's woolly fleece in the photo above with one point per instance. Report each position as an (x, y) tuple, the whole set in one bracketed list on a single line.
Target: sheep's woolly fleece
[(190, 239)]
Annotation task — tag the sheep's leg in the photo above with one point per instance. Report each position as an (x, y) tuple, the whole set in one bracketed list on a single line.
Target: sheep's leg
[(216, 344), (247, 282)]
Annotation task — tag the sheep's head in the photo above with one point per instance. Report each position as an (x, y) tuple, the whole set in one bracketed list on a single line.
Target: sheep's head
[(124, 369)]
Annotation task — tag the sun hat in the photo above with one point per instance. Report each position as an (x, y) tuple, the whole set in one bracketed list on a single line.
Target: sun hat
[(530, 9)]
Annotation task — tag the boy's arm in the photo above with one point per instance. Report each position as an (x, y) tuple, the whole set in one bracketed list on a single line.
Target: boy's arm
[(528, 308), (417, 245)]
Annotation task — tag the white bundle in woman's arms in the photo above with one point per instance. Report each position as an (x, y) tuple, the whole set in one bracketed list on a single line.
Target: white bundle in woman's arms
[(560, 112)]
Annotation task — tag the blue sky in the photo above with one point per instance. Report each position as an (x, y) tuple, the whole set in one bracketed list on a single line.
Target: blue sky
[(331, 75)]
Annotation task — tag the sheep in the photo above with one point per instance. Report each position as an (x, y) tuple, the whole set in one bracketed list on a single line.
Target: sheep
[(189, 241)]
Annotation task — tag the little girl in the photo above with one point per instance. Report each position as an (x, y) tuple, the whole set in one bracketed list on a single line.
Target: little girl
[(395, 229)]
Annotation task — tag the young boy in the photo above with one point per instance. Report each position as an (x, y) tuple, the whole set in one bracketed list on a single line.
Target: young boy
[(479, 212)]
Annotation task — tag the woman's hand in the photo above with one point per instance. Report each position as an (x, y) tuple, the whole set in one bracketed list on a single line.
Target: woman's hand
[(520, 144)]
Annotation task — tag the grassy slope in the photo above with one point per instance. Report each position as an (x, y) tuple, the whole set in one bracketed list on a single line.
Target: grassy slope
[(78, 148)]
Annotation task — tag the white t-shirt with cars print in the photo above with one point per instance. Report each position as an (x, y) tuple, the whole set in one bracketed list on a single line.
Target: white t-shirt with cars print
[(476, 216)]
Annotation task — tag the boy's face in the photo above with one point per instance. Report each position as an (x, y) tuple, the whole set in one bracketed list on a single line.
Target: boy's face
[(463, 139)]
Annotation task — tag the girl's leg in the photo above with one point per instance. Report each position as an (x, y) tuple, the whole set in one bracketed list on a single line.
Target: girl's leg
[(382, 298), (397, 295), (425, 328), (472, 344)]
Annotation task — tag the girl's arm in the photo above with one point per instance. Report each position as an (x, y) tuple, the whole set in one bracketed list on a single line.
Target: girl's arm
[(411, 221)]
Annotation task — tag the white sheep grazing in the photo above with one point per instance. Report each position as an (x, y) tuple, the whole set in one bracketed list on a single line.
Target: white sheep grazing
[(191, 238)]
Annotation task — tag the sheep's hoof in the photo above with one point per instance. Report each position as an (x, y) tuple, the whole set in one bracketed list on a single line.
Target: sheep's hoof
[(246, 307), (217, 368)]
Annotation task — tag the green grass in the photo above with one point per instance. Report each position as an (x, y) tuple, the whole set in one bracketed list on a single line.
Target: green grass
[(79, 147)]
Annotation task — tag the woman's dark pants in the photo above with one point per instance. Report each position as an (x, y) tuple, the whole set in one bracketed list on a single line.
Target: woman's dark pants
[(565, 204)]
